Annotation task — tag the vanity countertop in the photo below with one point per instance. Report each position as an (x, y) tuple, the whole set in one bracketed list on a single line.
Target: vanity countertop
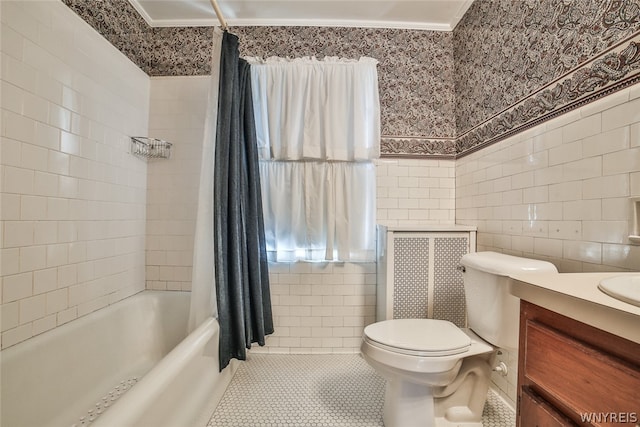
[(576, 295)]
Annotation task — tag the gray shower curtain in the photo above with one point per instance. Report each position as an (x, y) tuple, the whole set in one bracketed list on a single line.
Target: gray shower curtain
[(242, 280)]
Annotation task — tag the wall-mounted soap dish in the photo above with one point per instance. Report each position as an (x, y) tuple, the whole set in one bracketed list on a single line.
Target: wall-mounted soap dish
[(635, 220), (150, 148)]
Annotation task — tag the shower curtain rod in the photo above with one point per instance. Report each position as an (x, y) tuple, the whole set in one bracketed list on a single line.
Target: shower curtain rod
[(218, 12)]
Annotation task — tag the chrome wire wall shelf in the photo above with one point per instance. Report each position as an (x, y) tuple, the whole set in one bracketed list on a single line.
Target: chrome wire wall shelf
[(150, 148)]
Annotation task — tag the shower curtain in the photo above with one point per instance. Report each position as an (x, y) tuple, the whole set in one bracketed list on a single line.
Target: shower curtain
[(203, 296), (241, 271), (230, 272)]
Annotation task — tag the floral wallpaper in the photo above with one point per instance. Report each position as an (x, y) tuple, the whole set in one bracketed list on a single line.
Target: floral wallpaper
[(507, 66), (521, 62), (118, 22), (615, 70), (506, 49), (415, 68), (163, 51)]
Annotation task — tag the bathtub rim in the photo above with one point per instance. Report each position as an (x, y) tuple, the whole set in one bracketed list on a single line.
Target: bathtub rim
[(34, 344)]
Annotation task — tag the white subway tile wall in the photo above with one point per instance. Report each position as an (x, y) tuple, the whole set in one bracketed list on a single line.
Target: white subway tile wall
[(320, 307), (558, 192), (72, 198), (177, 114), (415, 191), (323, 308), (561, 190)]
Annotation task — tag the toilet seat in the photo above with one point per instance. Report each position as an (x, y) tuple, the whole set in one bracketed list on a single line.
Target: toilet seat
[(418, 337)]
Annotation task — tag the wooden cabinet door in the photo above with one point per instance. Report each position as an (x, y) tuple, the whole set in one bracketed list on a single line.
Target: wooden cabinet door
[(578, 376), (536, 412), (576, 370)]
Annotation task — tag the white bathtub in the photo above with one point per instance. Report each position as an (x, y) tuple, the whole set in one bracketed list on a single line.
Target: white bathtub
[(54, 379)]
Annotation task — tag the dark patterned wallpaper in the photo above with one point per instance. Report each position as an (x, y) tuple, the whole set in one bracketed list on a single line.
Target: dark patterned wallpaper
[(163, 51), (506, 49), (415, 68), (517, 63)]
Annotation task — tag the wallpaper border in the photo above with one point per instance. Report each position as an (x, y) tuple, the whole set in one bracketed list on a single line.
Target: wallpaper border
[(610, 71), (416, 147)]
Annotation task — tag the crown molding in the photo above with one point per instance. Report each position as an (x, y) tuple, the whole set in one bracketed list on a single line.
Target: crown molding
[(212, 22)]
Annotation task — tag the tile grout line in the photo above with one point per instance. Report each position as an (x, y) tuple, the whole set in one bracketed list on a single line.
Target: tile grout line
[(315, 390)]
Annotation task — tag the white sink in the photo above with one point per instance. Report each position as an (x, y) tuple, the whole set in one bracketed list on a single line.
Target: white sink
[(623, 288)]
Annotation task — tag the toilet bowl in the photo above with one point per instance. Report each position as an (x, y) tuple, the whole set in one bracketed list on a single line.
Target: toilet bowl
[(420, 372), (436, 373)]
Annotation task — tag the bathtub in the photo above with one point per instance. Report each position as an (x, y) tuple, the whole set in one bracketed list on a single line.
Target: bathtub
[(130, 364)]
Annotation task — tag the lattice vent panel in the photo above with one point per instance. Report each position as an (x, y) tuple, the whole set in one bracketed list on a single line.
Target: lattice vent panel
[(448, 292), (411, 278)]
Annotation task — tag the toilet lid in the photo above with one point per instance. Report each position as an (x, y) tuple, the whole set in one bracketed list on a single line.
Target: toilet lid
[(428, 337)]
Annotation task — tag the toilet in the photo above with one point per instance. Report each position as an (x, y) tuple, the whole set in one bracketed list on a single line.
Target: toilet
[(436, 373)]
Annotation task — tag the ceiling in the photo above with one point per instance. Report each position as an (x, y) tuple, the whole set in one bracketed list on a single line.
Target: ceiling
[(437, 15)]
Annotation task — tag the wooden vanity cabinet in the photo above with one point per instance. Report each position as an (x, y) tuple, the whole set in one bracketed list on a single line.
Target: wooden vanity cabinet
[(569, 371)]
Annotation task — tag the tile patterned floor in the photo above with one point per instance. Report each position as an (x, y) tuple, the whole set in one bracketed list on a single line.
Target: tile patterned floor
[(315, 391), (497, 413)]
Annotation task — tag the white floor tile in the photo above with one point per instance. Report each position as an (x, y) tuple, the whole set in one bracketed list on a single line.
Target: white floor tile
[(315, 390)]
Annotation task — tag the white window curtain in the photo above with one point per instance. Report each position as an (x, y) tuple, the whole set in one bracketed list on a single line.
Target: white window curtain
[(312, 109), (318, 130)]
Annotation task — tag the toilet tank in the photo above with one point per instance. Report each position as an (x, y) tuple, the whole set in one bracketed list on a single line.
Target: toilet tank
[(492, 312)]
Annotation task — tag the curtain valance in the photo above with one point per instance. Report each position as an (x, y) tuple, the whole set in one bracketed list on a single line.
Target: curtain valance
[(310, 109)]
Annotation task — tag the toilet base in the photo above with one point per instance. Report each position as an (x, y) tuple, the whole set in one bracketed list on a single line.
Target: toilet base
[(459, 404), (407, 405), (413, 405)]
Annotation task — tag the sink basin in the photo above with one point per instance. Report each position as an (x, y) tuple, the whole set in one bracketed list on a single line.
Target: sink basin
[(623, 288)]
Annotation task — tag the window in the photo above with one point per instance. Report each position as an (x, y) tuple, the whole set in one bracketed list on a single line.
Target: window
[(318, 129)]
